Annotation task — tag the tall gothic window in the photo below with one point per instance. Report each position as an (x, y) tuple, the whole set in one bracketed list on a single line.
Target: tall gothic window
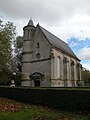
[(78, 71), (72, 69), (58, 67), (65, 67)]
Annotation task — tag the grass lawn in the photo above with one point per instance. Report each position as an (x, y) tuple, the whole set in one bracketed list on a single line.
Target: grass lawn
[(12, 110)]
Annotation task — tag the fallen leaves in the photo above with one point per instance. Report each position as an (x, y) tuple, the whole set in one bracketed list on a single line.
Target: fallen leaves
[(10, 105), (7, 105)]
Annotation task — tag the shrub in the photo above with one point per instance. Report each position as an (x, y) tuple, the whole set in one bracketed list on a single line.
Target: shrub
[(60, 98)]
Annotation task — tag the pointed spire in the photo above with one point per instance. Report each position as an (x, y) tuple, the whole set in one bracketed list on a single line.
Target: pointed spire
[(38, 24), (30, 22)]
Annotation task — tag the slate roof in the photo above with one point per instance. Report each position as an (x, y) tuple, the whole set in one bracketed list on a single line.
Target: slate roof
[(58, 43)]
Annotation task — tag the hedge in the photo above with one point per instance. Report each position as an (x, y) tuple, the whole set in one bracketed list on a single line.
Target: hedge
[(77, 100)]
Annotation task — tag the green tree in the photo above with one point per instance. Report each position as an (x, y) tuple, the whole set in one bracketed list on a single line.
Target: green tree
[(18, 52), (86, 76), (17, 59), (7, 37)]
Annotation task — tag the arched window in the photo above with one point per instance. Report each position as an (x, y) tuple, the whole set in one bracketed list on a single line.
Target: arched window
[(72, 69), (58, 67), (65, 67), (78, 71)]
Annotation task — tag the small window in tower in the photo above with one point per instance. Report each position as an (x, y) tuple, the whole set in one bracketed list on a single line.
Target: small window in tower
[(38, 45), (38, 55)]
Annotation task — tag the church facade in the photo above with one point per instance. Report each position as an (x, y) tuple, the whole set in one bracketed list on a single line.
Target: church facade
[(47, 61)]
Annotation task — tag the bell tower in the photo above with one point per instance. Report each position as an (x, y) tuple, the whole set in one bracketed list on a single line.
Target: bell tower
[(28, 32)]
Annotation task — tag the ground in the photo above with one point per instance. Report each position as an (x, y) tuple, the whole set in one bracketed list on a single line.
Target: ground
[(12, 110)]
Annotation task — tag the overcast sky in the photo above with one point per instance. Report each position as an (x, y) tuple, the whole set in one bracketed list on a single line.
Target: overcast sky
[(67, 19)]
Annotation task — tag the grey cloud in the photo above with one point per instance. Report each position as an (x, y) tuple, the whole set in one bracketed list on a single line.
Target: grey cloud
[(48, 11), (84, 53)]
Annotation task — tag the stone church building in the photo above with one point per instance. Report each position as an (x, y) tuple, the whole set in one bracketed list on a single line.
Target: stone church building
[(47, 61)]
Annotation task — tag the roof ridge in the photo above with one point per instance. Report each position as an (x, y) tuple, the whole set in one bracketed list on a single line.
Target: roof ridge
[(57, 42), (43, 33), (53, 35)]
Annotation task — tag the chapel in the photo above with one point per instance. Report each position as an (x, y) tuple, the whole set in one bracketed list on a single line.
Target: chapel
[(47, 61)]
